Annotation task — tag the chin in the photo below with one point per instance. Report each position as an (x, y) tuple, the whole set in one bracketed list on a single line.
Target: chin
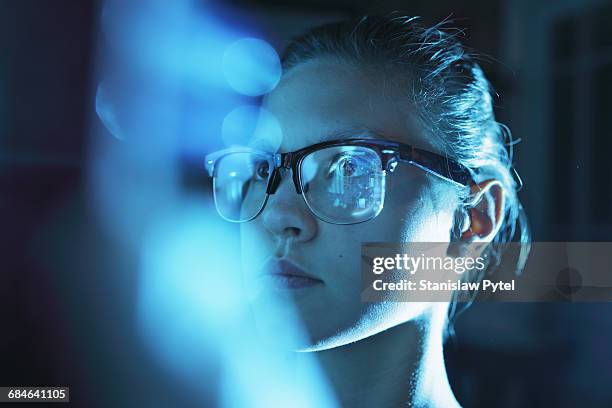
[(302, 329), (327, 343), (291, 330), (377, 318), (341, 339)]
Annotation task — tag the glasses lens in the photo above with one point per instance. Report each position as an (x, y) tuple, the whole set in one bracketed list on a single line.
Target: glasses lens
[(239, 184), (343, 184)]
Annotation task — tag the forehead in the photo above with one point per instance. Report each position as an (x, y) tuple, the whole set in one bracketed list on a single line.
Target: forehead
[(326, 99)]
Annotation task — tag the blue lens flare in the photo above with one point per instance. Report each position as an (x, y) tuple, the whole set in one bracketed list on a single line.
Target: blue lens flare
[(251, 66)]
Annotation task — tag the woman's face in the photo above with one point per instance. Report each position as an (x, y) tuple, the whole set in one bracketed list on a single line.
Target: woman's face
[(317, 101)]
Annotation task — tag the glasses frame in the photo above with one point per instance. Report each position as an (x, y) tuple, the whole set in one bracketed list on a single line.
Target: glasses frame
[(390, 153)]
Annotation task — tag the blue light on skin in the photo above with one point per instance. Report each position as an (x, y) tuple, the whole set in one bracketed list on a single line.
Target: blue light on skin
[(251, 66)]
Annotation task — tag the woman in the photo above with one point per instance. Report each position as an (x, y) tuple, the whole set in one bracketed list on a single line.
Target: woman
[(392, 138)]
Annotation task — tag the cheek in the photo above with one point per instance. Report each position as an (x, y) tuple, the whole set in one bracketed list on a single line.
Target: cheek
[(337, 314), (426, 224), (338, 252), (409, 220), (418, 209), (420, 214)]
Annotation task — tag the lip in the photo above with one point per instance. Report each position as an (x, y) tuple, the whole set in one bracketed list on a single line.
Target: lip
[(287, 275)]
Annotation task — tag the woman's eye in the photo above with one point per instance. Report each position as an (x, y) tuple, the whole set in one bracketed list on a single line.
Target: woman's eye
[(347, 166), (262, 171)]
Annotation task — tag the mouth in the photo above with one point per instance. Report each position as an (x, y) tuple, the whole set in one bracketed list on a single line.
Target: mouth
[(284, 274)]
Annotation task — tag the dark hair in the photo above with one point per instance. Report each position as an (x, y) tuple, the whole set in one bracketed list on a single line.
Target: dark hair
[(452, 96)]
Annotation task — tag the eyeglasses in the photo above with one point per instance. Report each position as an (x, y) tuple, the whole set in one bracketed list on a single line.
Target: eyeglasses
[(341, 181)]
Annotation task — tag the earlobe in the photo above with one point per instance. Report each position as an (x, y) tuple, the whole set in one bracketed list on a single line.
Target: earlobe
[(484, 211)]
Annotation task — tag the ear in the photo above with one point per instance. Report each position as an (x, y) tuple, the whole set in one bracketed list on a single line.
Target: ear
[(484, 212), (106, 111)]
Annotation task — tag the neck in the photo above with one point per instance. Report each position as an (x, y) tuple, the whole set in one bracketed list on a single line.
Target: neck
[(402, 366)]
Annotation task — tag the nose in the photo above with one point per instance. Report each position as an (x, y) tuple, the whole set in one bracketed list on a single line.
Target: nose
[(286, 214)]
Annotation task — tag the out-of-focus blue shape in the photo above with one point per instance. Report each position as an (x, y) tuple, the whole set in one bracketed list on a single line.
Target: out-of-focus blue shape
[(202, 123), (180, 57), (252, 125), (106, 112), (166, 92), (259, 377), (173, 40), (189, 294), (193, 314), (251, 66)]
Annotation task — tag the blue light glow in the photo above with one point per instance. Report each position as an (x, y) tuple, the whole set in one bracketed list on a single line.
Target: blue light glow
[(191, 309), (251, 66), (251, 125)]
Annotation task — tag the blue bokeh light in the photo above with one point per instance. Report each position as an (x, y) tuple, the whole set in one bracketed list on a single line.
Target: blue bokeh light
[(251, 66)]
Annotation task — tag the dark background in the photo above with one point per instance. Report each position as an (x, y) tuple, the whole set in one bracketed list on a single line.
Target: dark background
[(73, 326)]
